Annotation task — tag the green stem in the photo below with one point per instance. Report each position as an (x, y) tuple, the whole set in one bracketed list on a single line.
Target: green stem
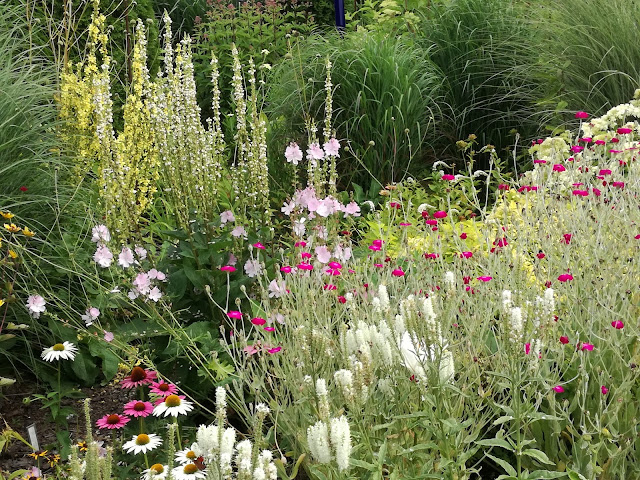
[(175, 420), (146, 460)]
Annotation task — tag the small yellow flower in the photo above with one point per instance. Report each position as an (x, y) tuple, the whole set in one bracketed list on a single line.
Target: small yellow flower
[(7, 215), (13, 228), (27, 232), (13, 254), (1, 302), (39, 454)]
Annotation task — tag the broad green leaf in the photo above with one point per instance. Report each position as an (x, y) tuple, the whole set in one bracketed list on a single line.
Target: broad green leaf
[(538, 455), (545, 475), (495, 442), (504, 464)]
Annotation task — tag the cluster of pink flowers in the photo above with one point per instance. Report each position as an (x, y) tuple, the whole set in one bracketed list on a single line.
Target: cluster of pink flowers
[(144, 285), (306, 203), (293, 153)]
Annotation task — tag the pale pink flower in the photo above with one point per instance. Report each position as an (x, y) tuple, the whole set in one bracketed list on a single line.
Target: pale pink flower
[(36, 305), (293, 153), (323, 253), (125, 259), (239, 231), (332, 147), (277, 289), (142, 283), (252, 268), (299, 227), (103, 256), (288, 208), (227, 216), (90, 316), (315, 152), (155, 294), (351, 208), (108, 336), (100, 234), (140, 252)]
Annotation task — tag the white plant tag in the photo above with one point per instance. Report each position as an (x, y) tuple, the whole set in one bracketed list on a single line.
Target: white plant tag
[(33, 437)]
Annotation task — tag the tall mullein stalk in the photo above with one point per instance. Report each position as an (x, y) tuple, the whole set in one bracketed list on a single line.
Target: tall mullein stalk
[(329, 161)]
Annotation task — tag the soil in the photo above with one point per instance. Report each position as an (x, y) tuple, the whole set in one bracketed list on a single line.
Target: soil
[(17, 415)]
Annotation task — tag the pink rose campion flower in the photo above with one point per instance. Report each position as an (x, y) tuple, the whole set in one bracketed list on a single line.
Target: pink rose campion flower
[(103, 256), (558, 168), (587, 347), (582, 115), (234, 314), (565, 277), (617, 324), (286, 269), (466, 255), (485, 278), (604, 390), (440, 214), (259, 246), (567, 238), (398, 272), (227, 216), (624, 130), (293, 153), (228, 269), (332, 147), (558, 389), (448, 177)]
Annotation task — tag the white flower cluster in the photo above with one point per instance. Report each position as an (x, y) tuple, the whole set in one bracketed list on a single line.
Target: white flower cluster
[(322, 439)]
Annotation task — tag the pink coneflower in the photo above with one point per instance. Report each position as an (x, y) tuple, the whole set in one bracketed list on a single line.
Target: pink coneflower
[(138, 408), (565, 277), (163, 388), (617, 324), (139, 376), (558, 389), (113, 421), (228, 268), (234, 314)]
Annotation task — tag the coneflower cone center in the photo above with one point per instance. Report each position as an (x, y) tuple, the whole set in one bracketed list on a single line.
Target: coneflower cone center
[(58, 347), (190, 468), (139, 407), (191, 455), (172, 401), (138, 374), (113, 419), (163, 387), (142, 439), (158, 468)]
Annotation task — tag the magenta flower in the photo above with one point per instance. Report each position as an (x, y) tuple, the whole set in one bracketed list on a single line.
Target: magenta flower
[(565, 277), (398, 272), (577, 148), (541, 255), (440, 214), (567, 238), (234, 314), (139, 376), (581, 193), (269, 329), (539, 161), (485, 278), (395, 205), (558, 389), (258, 321), (600, 142), (259, 246), (618, 184), (228, 268), (582, 115), (300, 244), (448, 177), (605, 171), (431, 222), (527, 348), (375, 248), (274, 350), (285, 269), (559, 168), (112, 422), (305, 266), (587, 346), (335, 265), (137, 408), (466, 255), (564, 339), (163, 389), (342, 299), (623, 130), (617, 324), (405, 224), (604, 390)]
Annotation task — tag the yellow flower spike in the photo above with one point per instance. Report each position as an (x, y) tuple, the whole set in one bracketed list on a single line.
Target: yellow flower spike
[(7, 215), (13, 254), (27, 232), (13, 228)]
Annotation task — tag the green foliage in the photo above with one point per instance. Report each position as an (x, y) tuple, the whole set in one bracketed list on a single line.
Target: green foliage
[(385, 102), (593, 47), (487, 53)]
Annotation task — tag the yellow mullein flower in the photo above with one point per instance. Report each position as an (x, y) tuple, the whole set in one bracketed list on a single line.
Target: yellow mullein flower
[(7, 215), (13, 228), (27, 232), (13, 254)]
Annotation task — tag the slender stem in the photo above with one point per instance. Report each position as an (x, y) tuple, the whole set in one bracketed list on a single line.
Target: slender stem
[(175, 420), (59, 394), (146, 460)]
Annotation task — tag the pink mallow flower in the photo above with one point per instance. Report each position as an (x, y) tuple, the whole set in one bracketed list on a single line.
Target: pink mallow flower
[(293, 153), (112, 422), (138, 408)]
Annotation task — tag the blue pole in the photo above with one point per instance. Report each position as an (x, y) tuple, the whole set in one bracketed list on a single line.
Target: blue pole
[(340, 20)]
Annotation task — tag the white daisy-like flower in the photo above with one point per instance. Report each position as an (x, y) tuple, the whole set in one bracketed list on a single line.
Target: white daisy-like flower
[(190, 471), (173, 405), (155, 472), (142, 443), (60, 351), (188, 455)]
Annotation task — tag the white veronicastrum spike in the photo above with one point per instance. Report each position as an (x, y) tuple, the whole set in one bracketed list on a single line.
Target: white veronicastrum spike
[(450, 279), (506, 300), (517, 325), (341, 441), (318, 440)]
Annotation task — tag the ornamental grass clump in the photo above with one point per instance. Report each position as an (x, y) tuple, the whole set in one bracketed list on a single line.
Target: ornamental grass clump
[(516, 354)]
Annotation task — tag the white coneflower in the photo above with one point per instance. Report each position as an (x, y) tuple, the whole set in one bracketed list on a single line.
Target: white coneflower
[(207, 440), (173, 405), (142, 443), (341, 441), (318, 440), (60, 351), (155, 472), (450, 280), (344, 380), (447, 366), (323, 399), (506, 301), (189, 471), (517, 325), (188, 455)]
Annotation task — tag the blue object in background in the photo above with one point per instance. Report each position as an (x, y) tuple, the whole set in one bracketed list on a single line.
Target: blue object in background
[(340, 20)]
